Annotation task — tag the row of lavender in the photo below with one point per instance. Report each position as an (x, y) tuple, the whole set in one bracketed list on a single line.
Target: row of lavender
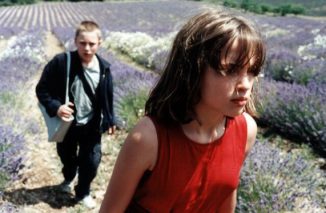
[(293, 91), (20, 59), (136, 15)]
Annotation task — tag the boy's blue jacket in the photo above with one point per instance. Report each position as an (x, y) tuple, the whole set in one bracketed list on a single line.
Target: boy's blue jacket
[(51, 87)]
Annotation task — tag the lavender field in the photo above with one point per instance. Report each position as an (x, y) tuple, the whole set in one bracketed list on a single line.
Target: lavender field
[(286, 171)]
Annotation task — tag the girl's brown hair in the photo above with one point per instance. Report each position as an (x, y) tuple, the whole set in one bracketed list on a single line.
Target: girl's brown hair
[(197, 45)]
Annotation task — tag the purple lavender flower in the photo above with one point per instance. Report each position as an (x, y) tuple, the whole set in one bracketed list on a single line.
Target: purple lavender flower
[(295, 111), (11, 145), (272, 181)]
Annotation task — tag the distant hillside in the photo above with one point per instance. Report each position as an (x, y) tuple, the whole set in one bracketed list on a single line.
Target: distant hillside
[(312, 7)]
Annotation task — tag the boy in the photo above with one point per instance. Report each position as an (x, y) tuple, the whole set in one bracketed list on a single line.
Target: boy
[(91, 103)]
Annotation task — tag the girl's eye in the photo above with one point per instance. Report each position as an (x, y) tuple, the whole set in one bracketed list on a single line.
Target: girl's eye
[(231, 72), (252, 71)]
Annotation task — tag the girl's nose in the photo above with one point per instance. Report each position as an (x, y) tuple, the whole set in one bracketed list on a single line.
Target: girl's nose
[(244, 83)]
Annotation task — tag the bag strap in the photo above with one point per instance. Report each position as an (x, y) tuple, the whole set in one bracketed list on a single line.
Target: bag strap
[(87, 88), (68, 74)]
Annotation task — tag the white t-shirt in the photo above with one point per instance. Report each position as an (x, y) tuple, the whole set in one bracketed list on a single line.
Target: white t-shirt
[(83, 105)]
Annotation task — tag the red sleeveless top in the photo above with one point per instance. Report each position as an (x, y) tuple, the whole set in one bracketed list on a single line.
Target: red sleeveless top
[(192, 177)]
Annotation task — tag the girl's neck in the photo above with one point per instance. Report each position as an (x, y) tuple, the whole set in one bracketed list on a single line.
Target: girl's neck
[(205, 131)]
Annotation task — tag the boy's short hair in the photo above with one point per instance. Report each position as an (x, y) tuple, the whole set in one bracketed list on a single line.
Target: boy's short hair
[(88, 26)]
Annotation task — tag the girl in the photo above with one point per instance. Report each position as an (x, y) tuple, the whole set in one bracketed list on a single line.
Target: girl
[(186, 154)]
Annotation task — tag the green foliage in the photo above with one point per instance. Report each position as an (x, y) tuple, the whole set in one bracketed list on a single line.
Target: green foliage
[(311, 7), (6, 97), (132, 108), (276, 10), (246, 5), (304, 76), (291, 9), (230, 3), (13, 2), (265, 8), (298, 9), (4, 179), (84, 0), (261, 7), (255, 8), (10, 99)]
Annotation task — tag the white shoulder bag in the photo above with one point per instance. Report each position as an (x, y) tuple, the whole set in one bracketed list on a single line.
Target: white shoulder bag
[(57, 128)]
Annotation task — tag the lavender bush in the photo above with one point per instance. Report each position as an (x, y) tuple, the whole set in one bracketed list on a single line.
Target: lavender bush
[(308, 70), (142, 48), (11, 146), (295, 111), (7, 207), (285, 65), (27, 44), (65, 35), (275, 181), (7, 32), (280, 64), (131, 108), (12, 76), (20, 60), (294, 54), (131, 88)]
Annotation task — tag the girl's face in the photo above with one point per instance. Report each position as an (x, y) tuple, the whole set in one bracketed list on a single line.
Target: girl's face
[(226, 95), (87, 44)]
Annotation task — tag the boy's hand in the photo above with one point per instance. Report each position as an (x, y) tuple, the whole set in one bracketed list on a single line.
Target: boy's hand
[(65, 111), (111, 130)]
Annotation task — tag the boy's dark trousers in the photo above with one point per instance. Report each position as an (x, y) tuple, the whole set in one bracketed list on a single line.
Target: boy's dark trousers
[(85, 160)]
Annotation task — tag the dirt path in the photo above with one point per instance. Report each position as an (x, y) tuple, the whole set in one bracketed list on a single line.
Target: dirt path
[(37, 191), (3, 44)]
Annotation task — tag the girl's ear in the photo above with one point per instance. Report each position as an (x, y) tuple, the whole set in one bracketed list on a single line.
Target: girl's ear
[(100, 41)]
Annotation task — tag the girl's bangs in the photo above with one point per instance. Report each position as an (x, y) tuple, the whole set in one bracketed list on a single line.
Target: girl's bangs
[(250, 50)]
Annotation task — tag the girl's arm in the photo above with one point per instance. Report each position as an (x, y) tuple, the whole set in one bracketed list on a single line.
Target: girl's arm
[(251, 133), (138, 154)]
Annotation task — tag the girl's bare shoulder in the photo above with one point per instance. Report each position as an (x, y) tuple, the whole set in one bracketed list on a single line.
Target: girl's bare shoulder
[(142, 141), (143, 132)]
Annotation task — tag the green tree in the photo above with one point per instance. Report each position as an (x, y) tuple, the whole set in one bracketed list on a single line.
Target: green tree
[(245, 4), (229, 3), (285, 9), (265, 8), (298, 9)]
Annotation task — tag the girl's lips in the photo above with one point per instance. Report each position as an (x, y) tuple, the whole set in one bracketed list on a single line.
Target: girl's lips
[(239, 101)]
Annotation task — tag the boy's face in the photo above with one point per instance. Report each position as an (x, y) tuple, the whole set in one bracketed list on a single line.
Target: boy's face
[(87, 44)]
